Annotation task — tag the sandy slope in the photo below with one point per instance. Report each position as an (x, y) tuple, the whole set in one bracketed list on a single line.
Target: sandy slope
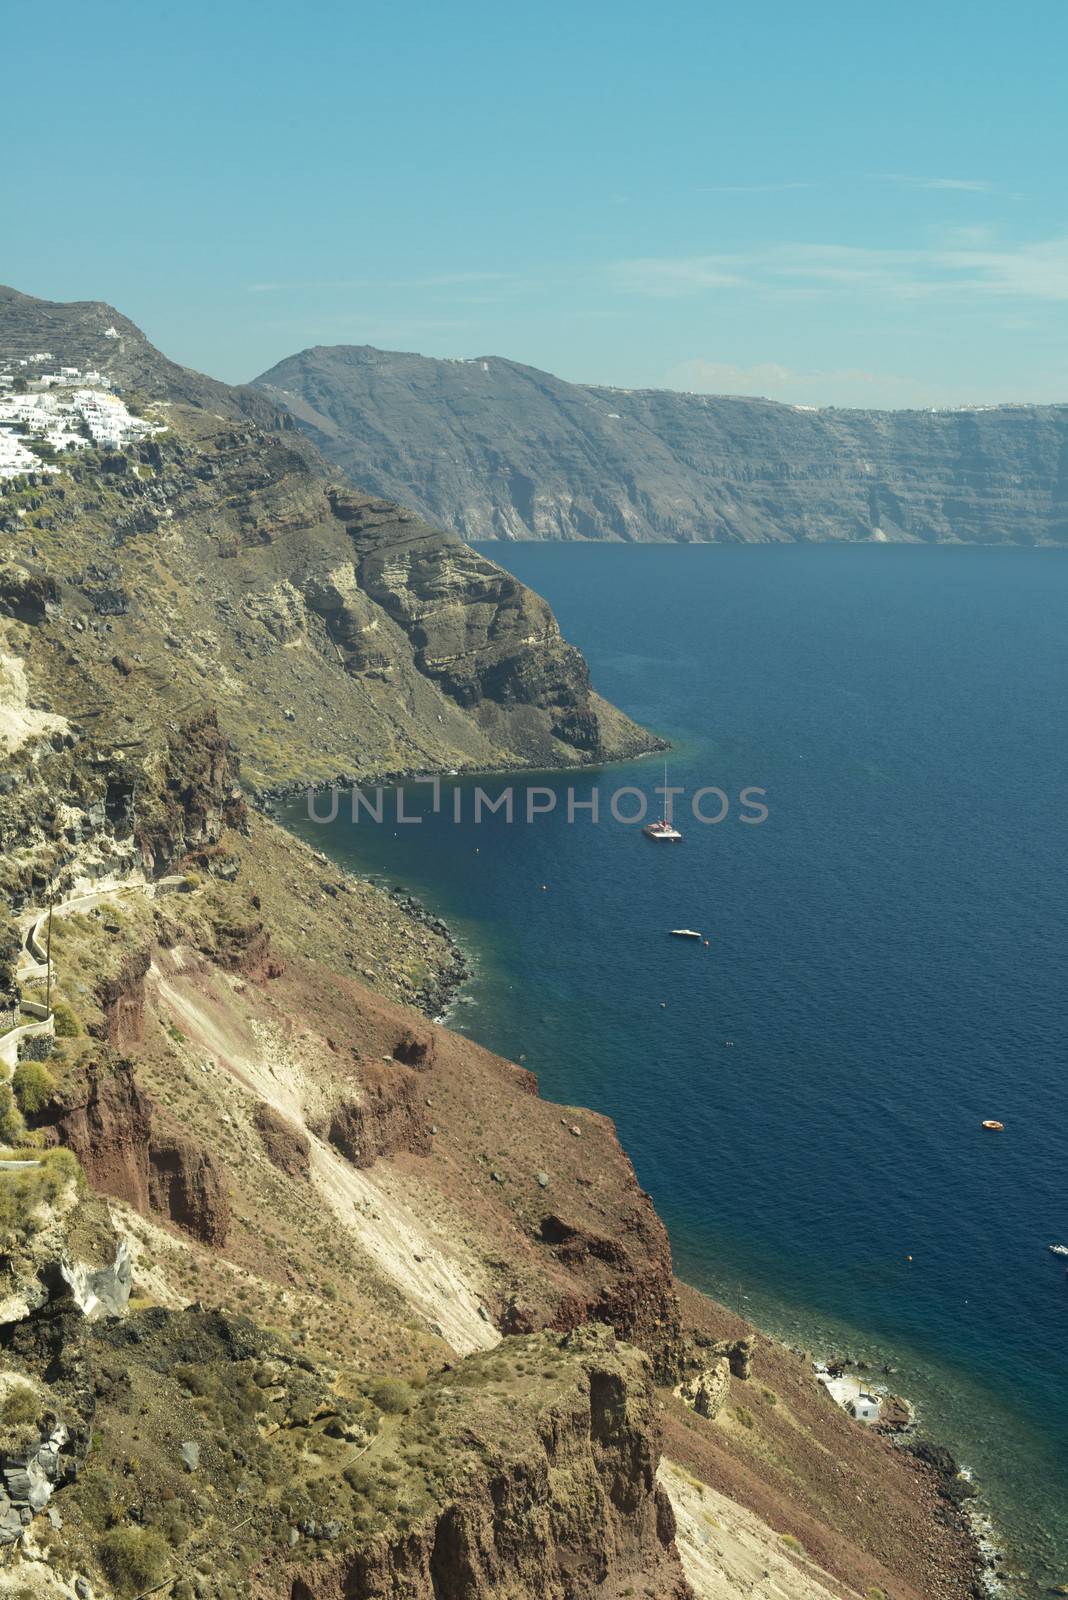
[(728, 1553)]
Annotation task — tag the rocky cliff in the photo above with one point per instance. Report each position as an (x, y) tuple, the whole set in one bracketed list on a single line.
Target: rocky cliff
[(215, 570), (497, 450), (91, 335), (399, 1327)]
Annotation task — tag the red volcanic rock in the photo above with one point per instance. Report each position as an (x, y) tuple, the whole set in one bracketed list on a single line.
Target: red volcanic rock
[(389, 1117), (246, 948), (122, 1000), (186, 1183), (108, 1124), (287, 1146)]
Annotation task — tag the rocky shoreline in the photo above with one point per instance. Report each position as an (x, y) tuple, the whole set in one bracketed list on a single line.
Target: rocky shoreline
[(961, 1497), (270, 796), (956, 1484), (435, 999)]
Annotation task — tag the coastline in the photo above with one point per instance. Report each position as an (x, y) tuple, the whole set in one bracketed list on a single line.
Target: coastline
[(439, 1002), (957, 1480), (270, 797), (434, 1000)]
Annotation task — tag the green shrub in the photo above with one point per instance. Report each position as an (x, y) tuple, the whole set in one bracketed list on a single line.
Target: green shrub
[(19, 1412), (67, 1023), (34, 1086), (133, 1558), (23, 1191), (793, 1544), (100, 1497), (20, 1405), (60, 1168), (360, 1479), (12, 1127), (391, 1394)]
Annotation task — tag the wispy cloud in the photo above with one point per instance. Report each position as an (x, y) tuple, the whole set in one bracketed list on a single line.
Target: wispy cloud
[(442, 280), (904, 180), (1036, 271), (910, 181), (668, 277)]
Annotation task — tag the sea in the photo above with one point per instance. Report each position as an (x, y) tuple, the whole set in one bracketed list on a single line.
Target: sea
[(883, 961)]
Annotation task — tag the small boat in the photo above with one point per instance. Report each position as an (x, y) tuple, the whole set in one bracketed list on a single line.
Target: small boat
[(685, 933), (1059, 1249), (662, 830), (994, 1127)]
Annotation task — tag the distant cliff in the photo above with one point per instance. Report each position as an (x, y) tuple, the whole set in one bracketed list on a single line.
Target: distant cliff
[(222, 565), (493, 449)]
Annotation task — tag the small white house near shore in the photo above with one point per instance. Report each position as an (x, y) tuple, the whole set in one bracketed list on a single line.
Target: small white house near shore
[(854, 1397), (865, 1408)]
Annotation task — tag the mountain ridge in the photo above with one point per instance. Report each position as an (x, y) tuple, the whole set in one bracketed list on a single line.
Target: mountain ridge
[(493, 448), (399, 1326), (225, 565)]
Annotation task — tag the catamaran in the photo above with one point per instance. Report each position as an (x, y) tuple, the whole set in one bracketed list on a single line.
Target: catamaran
[(662, 829)]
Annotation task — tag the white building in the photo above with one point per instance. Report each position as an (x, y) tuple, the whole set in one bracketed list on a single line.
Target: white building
[(865, 1408), (854, 1397), (16, 461), (66, 418)]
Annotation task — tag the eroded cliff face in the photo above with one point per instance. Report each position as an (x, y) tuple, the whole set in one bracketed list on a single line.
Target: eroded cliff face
[(264, 1473), (258, 1093), (488, 642), (216, 570), (128, 1150), (429, 1242), (496, 450), (396, 1389), (537, 1488), (80, 804)]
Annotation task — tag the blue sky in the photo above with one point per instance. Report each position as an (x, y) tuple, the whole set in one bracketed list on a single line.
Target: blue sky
[(830, 204)]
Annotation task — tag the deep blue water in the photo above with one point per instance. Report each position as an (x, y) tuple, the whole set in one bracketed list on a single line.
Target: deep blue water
[(888, 958)]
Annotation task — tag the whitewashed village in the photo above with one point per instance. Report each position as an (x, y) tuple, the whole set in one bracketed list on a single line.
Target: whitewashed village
[(48, 410)]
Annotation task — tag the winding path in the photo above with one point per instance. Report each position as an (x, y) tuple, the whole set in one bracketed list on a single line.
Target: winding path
[(32, 962)]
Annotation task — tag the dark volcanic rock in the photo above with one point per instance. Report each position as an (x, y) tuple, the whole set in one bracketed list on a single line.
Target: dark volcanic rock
[(494, 449)]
